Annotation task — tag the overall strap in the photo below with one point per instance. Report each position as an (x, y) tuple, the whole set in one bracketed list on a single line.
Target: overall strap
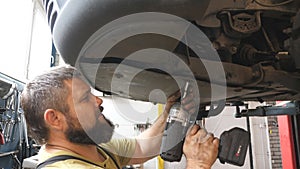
[(108, 153), (61, 158), (66, 157)]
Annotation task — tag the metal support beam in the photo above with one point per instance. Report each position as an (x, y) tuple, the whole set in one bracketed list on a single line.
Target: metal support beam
[(289, 109)]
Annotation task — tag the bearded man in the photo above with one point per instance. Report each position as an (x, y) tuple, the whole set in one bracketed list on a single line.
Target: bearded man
[(64, 116)]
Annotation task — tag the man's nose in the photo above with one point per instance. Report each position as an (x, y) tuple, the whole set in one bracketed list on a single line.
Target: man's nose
[(99, 101)]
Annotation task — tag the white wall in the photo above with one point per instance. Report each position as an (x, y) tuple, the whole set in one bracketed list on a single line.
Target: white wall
[(25, 39), (260, 140), (14, 32)]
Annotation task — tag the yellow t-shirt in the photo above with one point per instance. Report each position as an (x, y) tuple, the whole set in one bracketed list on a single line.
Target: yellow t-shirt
[(121, 149)]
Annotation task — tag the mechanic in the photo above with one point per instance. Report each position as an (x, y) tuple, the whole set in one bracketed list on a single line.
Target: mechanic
[(66, 118)]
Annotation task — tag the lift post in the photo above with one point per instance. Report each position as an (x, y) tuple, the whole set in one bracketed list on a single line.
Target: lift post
[(288, 136)]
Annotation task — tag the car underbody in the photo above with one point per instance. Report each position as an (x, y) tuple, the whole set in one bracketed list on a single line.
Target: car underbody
[(242, 50)]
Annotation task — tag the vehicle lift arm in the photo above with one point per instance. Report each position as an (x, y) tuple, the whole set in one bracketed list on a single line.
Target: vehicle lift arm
[(291, 108)]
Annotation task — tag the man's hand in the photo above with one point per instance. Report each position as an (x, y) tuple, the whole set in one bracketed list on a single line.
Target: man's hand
[(149, 141), (171, 101), (201, 152), (188, 103)]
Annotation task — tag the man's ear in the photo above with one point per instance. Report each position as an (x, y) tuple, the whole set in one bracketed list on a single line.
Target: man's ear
[(54, 119)]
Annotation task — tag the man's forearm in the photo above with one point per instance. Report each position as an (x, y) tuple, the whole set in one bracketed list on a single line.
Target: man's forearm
[(157, 127), (196, 165), (149, 141)]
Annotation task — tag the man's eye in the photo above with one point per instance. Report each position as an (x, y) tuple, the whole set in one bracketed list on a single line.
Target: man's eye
[(86, 98)]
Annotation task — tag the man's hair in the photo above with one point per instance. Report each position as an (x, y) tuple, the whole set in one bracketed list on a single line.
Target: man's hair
[(46, 91)]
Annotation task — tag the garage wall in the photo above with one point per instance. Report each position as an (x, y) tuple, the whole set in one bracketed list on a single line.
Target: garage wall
[(15, 31), (260, 140), (274, 142), (25, 39)]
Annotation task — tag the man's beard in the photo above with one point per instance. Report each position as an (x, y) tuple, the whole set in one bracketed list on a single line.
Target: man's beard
[(100, 133)]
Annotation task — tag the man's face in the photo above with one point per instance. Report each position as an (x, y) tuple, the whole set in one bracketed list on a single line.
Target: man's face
[(85, 122)]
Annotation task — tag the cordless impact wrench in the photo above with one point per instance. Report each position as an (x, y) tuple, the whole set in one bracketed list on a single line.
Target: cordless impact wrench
[(233, 143)]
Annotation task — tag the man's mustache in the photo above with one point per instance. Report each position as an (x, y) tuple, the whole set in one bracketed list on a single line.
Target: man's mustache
[(101, 109), (107, 120)]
